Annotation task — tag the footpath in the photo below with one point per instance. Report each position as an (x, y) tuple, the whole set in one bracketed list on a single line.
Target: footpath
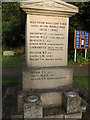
[(78, 71)]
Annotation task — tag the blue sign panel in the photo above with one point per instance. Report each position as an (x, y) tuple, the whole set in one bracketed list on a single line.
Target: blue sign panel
[(87, 40), (77, 45), (82, 34), (82, 40), (78, 33)]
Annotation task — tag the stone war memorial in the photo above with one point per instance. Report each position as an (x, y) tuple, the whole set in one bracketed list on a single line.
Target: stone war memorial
[(47, 87)]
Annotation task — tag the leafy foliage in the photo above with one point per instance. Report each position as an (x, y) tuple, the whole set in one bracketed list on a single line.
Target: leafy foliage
[(80, 21), (12, 26), (80, 58)]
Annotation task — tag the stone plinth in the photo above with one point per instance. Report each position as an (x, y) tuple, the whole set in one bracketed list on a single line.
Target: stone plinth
[(71, 102), (33, 107), (46, 78)]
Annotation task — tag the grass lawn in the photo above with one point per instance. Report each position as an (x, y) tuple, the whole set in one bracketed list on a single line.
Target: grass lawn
[(82, 81), (9, 81), (12, 61)]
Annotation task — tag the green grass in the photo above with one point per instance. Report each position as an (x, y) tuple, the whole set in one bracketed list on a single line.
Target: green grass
[(9, 81), (72, 63), (12, 61), (82, 81)]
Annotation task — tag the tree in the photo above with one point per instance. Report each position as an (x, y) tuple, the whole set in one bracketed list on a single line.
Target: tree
[(81, 21), (12, 27)]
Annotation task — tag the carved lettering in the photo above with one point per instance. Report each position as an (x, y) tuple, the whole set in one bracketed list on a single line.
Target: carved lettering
[(47, 39)]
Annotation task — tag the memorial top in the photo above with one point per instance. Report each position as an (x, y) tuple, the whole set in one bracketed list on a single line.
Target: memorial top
[(49, 7)]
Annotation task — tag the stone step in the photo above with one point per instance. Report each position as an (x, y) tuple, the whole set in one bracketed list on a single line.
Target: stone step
[(58, 112), (6, 107), (55, 112), (7, 102), (10, 106), (17, 116)]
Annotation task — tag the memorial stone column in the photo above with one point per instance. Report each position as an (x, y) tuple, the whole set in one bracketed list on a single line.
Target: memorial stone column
[(46, 72)]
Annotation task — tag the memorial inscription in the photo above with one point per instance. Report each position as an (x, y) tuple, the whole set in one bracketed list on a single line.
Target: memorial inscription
[(47, 39), (41, 78)]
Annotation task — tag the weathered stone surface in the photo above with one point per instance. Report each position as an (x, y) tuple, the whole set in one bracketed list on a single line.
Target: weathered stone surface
[(10, 91), (49, 7), (46, 78), (33, 109), (15, 117), (54, 112), (73, 116), (47, 40), (9, 102), (7, 53), (20, 102), (58, 112), (83, 105), (71, 102), (47, 36), (51, 99)]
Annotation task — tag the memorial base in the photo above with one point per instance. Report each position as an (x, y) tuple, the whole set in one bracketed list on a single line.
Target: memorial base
[(37, 110), (51, 85), (46, 77)]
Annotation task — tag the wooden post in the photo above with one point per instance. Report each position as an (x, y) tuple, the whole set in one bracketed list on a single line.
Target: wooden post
[(75, 55)]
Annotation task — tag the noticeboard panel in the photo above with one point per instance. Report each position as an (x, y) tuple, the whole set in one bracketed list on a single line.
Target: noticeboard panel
[(81, 40)]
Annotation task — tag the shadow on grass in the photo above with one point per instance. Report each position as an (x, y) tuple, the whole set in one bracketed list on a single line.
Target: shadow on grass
[(82, 81), (10, 81)]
